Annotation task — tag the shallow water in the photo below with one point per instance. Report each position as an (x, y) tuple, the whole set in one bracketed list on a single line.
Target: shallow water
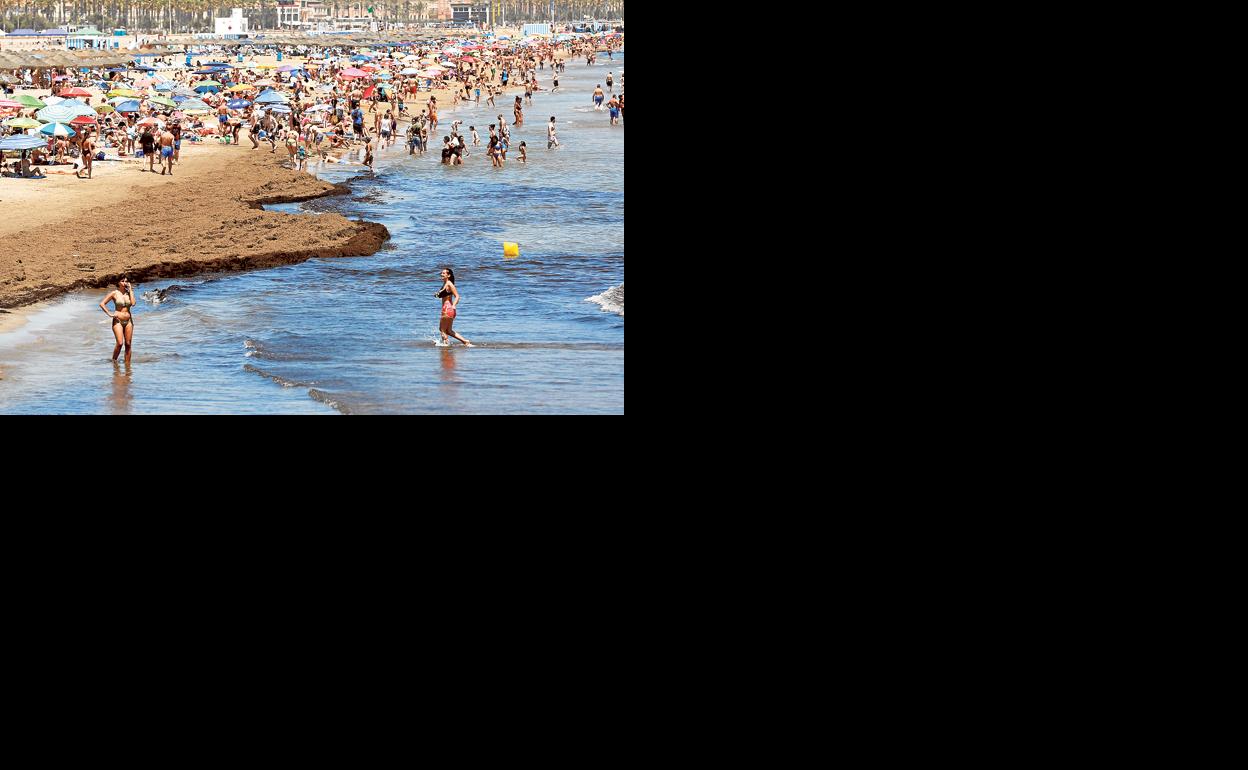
[(359, 335)]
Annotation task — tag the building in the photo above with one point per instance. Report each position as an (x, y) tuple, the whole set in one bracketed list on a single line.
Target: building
[(444, 12), (89, 37), (471, 12), (233, 26), (30, 40)]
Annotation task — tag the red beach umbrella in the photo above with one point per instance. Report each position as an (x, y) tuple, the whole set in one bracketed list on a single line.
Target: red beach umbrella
[(73, 92), (82, 120)]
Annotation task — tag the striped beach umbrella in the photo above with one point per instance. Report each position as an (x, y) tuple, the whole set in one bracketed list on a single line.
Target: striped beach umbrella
[(57, 129)]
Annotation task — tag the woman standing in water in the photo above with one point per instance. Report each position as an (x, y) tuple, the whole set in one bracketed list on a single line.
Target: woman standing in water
[(123, 320), (448, 307)]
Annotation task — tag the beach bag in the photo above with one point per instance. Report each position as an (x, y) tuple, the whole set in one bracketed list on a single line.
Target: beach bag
[(139, 154), (99, 156)]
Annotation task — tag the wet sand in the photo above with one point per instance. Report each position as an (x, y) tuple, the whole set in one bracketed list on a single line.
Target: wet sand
[(67, 234)]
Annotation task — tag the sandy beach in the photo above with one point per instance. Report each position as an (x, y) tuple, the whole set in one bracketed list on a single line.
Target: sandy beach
[(68, 233)]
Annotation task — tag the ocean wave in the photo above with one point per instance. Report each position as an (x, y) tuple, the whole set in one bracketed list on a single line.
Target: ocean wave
[(611, 300), (158, 296)]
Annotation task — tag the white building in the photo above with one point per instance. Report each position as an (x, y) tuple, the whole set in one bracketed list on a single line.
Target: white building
[(235, 25)]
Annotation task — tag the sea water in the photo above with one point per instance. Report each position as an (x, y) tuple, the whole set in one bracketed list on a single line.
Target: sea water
[(359, 335)]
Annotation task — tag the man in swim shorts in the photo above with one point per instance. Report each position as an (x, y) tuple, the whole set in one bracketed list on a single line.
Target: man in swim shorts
[(552, 141), (166, 152)]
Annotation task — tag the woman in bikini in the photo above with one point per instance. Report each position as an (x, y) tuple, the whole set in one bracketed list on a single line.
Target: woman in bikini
[(123, 319), (448, 307)]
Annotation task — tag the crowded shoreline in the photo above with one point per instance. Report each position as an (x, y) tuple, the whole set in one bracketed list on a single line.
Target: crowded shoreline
[(85, 227)]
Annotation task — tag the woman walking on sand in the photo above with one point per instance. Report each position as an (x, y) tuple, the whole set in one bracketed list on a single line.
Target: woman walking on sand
[(448, 307), (123, 320)]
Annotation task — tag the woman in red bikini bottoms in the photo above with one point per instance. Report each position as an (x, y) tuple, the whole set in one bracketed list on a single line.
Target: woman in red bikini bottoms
[(448, 307)]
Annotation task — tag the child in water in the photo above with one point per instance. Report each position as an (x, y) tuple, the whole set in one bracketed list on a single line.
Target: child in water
[(524, 153)]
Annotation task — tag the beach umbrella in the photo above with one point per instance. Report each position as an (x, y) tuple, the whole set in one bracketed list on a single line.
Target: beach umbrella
[(31, 102), (56, 114), (271, 97), (289, 68), (83, 120), (51, 100), (22, 143), (351, 73), (9, 104), (76, 107), (410, 71), (22, 123), (128, 93), (194, 104), (240, 88), (385, 76), (130, 106), (165, 86), (163, 101), (150, 122), (71, 92), (57, 129), (206, 84), (105, 109), (238, 104)]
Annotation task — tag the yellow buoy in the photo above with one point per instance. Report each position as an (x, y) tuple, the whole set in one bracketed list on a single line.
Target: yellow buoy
[(511, 250)]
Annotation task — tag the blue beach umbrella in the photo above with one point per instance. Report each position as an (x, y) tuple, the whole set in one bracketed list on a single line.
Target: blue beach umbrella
[(128, 106), (238, 104), (165, 86), (271, 97), (22, 142)]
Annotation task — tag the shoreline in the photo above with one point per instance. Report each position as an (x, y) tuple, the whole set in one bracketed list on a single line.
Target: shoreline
[(208, 218)]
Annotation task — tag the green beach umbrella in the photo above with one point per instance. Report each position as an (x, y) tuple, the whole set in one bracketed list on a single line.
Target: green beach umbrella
[(22, 123), (104, 109), (31, 101), (162, 101)]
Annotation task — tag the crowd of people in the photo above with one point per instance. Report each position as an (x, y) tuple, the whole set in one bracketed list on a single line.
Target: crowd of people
[(333, 101)]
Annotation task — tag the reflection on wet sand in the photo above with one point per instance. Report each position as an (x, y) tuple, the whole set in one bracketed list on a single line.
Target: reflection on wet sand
[(120, 400)]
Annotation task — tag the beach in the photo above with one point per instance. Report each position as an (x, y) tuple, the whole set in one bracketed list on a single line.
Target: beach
[(70, 233), (312, 332)]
